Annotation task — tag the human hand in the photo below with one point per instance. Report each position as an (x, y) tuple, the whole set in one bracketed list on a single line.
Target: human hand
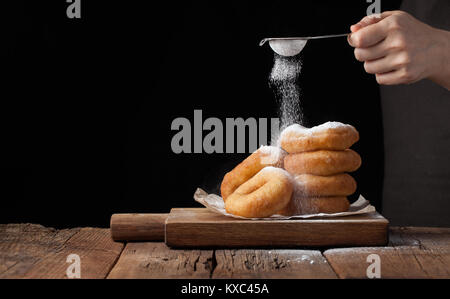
[(399, 49)]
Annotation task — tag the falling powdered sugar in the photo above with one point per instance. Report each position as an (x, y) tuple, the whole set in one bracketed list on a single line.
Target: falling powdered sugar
[(283, 80)]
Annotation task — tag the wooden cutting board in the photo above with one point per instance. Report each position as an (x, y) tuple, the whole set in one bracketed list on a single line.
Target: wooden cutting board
[(199, 228)]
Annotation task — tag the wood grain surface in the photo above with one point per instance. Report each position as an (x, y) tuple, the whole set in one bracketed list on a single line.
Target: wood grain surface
[(34, 251), (287, 263), (201, 228), (156, 260), (413, 253)]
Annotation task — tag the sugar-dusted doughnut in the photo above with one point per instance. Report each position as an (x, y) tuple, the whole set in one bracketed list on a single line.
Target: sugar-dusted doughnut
[(263, 157), (299, 205), (316, 186), (328, 136), (322, 162), (268, 192)]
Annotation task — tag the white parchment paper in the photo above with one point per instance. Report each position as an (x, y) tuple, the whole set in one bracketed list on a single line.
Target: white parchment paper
[(215, 204)]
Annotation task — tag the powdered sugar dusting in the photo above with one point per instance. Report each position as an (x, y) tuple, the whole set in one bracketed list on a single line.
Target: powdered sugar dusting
[(329, 125), (271, 155), (283, 80), (302, 205), (272, 169), (285, 69), (296, 128)]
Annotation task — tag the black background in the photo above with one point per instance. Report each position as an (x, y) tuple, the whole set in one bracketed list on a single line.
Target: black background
[(87, 104)]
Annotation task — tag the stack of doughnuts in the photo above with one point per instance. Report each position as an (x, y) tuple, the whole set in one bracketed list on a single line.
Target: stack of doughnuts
[(319, 159), (305, 174)]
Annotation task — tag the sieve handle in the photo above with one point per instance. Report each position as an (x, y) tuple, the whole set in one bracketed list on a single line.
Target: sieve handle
[(302, 38)]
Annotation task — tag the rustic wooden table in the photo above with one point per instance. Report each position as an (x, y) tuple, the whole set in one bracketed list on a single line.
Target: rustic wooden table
[(34, 251)]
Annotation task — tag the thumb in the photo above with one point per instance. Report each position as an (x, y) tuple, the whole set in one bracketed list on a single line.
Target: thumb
[(369, 20), (366, 21)]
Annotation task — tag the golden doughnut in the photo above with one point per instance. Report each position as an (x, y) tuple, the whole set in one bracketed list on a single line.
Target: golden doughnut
[(322, 162), (264, 156), (328, 136), (316, 186), (263, 195), (315, 205)]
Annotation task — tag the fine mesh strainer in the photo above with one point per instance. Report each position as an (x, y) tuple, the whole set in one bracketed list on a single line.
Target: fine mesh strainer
[(291, 46)]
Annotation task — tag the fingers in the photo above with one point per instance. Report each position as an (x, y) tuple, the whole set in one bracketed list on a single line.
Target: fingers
[(390, 78), (383, 65), (369, 20), (366, 21), (378, 51), (391, 51), (370, 30), (400, 76), (386, 14), (369, 36)]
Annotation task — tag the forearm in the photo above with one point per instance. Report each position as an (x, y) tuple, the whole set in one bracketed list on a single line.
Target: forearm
[(441, 75)]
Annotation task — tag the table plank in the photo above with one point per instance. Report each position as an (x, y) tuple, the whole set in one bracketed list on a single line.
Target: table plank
[(34, 251), (255, 264), (156, 260), (23, 245), (413, 253), (429, 237), (97, 251)]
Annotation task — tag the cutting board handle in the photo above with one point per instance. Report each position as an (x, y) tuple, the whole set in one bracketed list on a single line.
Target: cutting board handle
[(138, 227)]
